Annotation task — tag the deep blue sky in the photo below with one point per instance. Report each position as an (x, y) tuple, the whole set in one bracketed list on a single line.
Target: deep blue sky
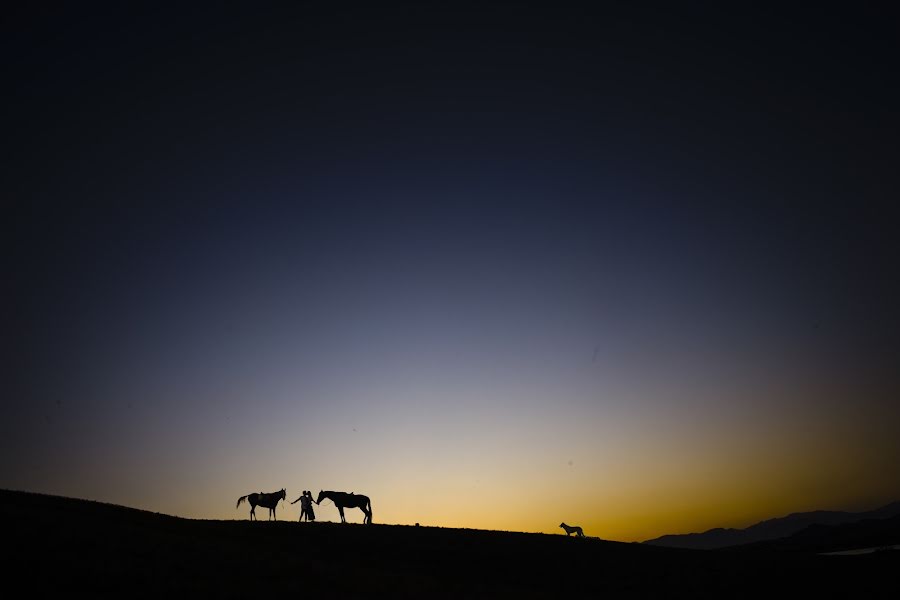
[(227, 226)]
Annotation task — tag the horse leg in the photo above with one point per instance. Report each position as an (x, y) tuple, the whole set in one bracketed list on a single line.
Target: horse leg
[(341, 510), (252, 511)]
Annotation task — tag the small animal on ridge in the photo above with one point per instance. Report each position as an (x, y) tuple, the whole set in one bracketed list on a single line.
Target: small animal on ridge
[(570, 529)]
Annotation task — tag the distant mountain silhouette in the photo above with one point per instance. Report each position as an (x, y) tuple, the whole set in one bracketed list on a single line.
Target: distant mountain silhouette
[(771, 529), (869, 533)]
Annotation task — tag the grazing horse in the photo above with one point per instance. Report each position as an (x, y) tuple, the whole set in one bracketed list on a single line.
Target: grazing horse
[(344, 500), (269, 501)]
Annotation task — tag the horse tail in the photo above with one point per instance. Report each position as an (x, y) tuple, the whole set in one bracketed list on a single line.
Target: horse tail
[(241, 499)]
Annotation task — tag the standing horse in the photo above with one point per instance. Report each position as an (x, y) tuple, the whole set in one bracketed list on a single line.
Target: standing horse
[(269, 501), (344, 500)]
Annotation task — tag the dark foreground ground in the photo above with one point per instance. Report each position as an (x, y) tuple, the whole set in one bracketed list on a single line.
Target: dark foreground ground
[(61, 545)]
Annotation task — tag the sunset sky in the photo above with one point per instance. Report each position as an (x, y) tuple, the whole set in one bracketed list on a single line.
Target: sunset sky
[(495, 268)]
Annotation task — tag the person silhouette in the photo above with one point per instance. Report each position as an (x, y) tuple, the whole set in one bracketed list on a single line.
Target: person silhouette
[(302, 500), (310, 513)]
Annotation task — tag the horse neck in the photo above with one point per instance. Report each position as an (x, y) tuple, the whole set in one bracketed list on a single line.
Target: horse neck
[(331, 495)]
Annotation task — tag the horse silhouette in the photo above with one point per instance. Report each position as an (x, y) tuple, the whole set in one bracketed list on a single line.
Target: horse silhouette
[(344, 500), (269, 501)]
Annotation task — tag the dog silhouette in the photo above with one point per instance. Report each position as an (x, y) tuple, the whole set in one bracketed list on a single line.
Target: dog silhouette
[(570, 529)]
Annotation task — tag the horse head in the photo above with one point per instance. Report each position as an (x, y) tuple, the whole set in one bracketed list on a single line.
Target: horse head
[(283, 494), (321, 497)]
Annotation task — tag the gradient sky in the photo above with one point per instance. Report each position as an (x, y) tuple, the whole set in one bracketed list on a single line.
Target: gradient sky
[(496, 268)]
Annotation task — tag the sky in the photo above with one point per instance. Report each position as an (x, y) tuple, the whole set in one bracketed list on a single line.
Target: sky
[(496, 266)]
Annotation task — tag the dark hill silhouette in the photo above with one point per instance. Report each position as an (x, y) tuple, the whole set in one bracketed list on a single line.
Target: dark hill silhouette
[(62, 545), (869, 533), (770, 529)]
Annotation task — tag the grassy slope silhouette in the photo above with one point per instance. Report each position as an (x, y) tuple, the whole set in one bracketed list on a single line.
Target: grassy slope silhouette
[(59, 544)]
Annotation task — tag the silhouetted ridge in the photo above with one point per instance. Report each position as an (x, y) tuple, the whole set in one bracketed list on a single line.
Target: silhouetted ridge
[(59, 546), (770, 529), (818, 538), (49, 505)]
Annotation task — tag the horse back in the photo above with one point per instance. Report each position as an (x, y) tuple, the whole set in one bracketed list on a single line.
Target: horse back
[(350, 500), (269, 500)]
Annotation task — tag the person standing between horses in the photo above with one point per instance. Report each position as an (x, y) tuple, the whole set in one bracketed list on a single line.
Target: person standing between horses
[(302, 500), (310, 513)]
